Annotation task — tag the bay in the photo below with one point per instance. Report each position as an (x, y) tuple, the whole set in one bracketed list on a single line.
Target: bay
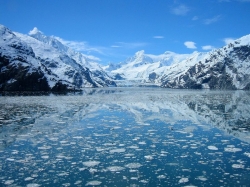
[(126, 137)]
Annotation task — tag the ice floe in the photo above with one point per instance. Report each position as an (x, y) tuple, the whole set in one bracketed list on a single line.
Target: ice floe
[(247, 154), (232, 149), (115, 168), (28, 178), (212, 147), (91, 163), (149, 157), (238, 166), (93, 183), (9, 182), (133, 165), (121, 150), (33, 185), (183, 180)]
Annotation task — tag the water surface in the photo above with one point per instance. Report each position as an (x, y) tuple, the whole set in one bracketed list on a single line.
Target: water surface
[(126, 137)]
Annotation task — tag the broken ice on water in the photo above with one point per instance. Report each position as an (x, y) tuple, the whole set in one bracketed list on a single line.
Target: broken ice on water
[(126, 137)]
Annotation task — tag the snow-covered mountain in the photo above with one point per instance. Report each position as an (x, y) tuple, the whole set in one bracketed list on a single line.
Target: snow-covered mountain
[(145, 68), (38, 62), (224, 68)]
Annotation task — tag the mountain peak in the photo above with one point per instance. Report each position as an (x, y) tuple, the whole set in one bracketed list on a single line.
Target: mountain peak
[(245, 40), (140, 53), (35, 31)]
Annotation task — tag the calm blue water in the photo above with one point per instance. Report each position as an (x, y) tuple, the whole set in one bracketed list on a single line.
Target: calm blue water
[(126, 137)]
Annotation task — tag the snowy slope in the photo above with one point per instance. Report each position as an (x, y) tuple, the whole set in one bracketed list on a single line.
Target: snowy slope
[(50, 59), (20, 70), (97, 73), (224, 68), (56, 43), (147, 68)]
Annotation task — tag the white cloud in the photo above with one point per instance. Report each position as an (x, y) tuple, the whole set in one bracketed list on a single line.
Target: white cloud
[(195, 18), (228, 40), (190, 45), (158, 37), (80, 46), (180, 10), (212, 20), (207, 47)]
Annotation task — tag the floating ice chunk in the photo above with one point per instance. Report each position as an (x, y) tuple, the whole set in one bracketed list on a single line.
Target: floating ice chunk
[(143, 181), (63, 174), (201, 178), (92, 170), (14, 152), (78, 182), (44, 147), (149, 157), (66, 184), (82, 169), (238, 166), (115, 168), (10, 159), (60, 156), (161, 176), (33, 185), (134, 178), (93, 183), (183, 180), (34, 175), (232, 149), (8, 182), (133, 170), (100, 149), (133, 165), (45, 157), (91, 163), (142, 143), (117, 150), (212, 147), (133, 147), (247, 154), (28, 178)]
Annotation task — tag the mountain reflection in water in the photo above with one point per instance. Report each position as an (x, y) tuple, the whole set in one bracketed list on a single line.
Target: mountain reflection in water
[(115, 124)]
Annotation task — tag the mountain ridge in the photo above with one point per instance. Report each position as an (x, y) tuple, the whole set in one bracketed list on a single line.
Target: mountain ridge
[(223, 68), (28, 64), (37, 62)]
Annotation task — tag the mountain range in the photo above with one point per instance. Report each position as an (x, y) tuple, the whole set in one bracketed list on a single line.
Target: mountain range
[(37, 62), (224, 68)]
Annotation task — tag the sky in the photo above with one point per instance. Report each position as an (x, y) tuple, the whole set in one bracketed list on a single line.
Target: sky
[(113, 30)]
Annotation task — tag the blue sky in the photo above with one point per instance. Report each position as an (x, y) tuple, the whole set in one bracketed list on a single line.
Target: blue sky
[(112, 30)]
